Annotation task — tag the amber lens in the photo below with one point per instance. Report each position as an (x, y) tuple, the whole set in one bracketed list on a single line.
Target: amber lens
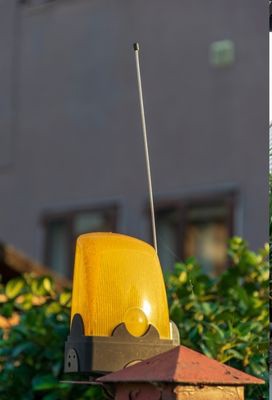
[(118, 279)]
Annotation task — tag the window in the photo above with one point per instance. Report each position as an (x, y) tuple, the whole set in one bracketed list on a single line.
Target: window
[(222, 53), (36, 3), (63, 229), (195, 227)]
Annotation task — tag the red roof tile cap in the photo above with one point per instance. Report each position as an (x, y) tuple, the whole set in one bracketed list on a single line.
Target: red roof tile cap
[(182, 365)]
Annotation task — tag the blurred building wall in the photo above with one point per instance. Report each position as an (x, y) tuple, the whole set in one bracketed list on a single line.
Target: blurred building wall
[(70, 122)]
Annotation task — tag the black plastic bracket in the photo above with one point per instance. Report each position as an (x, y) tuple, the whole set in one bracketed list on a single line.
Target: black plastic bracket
[(110, 353)]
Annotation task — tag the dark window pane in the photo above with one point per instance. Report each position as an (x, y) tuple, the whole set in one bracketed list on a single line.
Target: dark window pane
[(201, 230), (95, 221), (166, 226), (206, 213), (208, 243), (58, 247)]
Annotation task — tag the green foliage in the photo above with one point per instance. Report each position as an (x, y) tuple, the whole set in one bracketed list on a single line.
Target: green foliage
[(270, 205), (31, 353), (270, 240), (226, 317)]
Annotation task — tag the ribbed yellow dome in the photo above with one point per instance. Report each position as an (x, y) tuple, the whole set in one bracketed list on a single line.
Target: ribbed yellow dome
[(118, 278)]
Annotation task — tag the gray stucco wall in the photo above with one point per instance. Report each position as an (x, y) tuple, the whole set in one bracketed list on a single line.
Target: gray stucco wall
[(76, 139)]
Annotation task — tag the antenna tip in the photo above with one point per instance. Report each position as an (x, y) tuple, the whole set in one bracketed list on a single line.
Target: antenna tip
[(136, 46)]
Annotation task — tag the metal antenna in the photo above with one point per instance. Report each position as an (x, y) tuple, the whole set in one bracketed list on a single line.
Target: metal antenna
[(136, 51)]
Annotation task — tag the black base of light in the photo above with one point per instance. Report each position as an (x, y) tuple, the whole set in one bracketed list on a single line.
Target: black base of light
[(88, 354)]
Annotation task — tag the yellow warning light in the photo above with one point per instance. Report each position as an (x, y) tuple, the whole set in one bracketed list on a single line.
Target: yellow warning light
[(119, 310), (118, 279)]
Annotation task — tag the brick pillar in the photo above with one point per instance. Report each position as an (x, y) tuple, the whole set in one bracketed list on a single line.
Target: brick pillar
[(181, 374), (168, 391)]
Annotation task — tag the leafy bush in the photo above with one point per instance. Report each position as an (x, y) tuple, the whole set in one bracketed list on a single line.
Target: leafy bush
[(31, 352), (225, 318)]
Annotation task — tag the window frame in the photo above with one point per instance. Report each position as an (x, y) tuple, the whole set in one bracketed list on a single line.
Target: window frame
[(182, 205), (69, 217)]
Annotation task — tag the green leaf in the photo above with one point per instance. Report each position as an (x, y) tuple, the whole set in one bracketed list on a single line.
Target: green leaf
[(53, 308), (57, 368), (47, 284), (51, 396), (7, 310), (44, 382), (14, 287), (65, 299), (24, 302), (21, 348)]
